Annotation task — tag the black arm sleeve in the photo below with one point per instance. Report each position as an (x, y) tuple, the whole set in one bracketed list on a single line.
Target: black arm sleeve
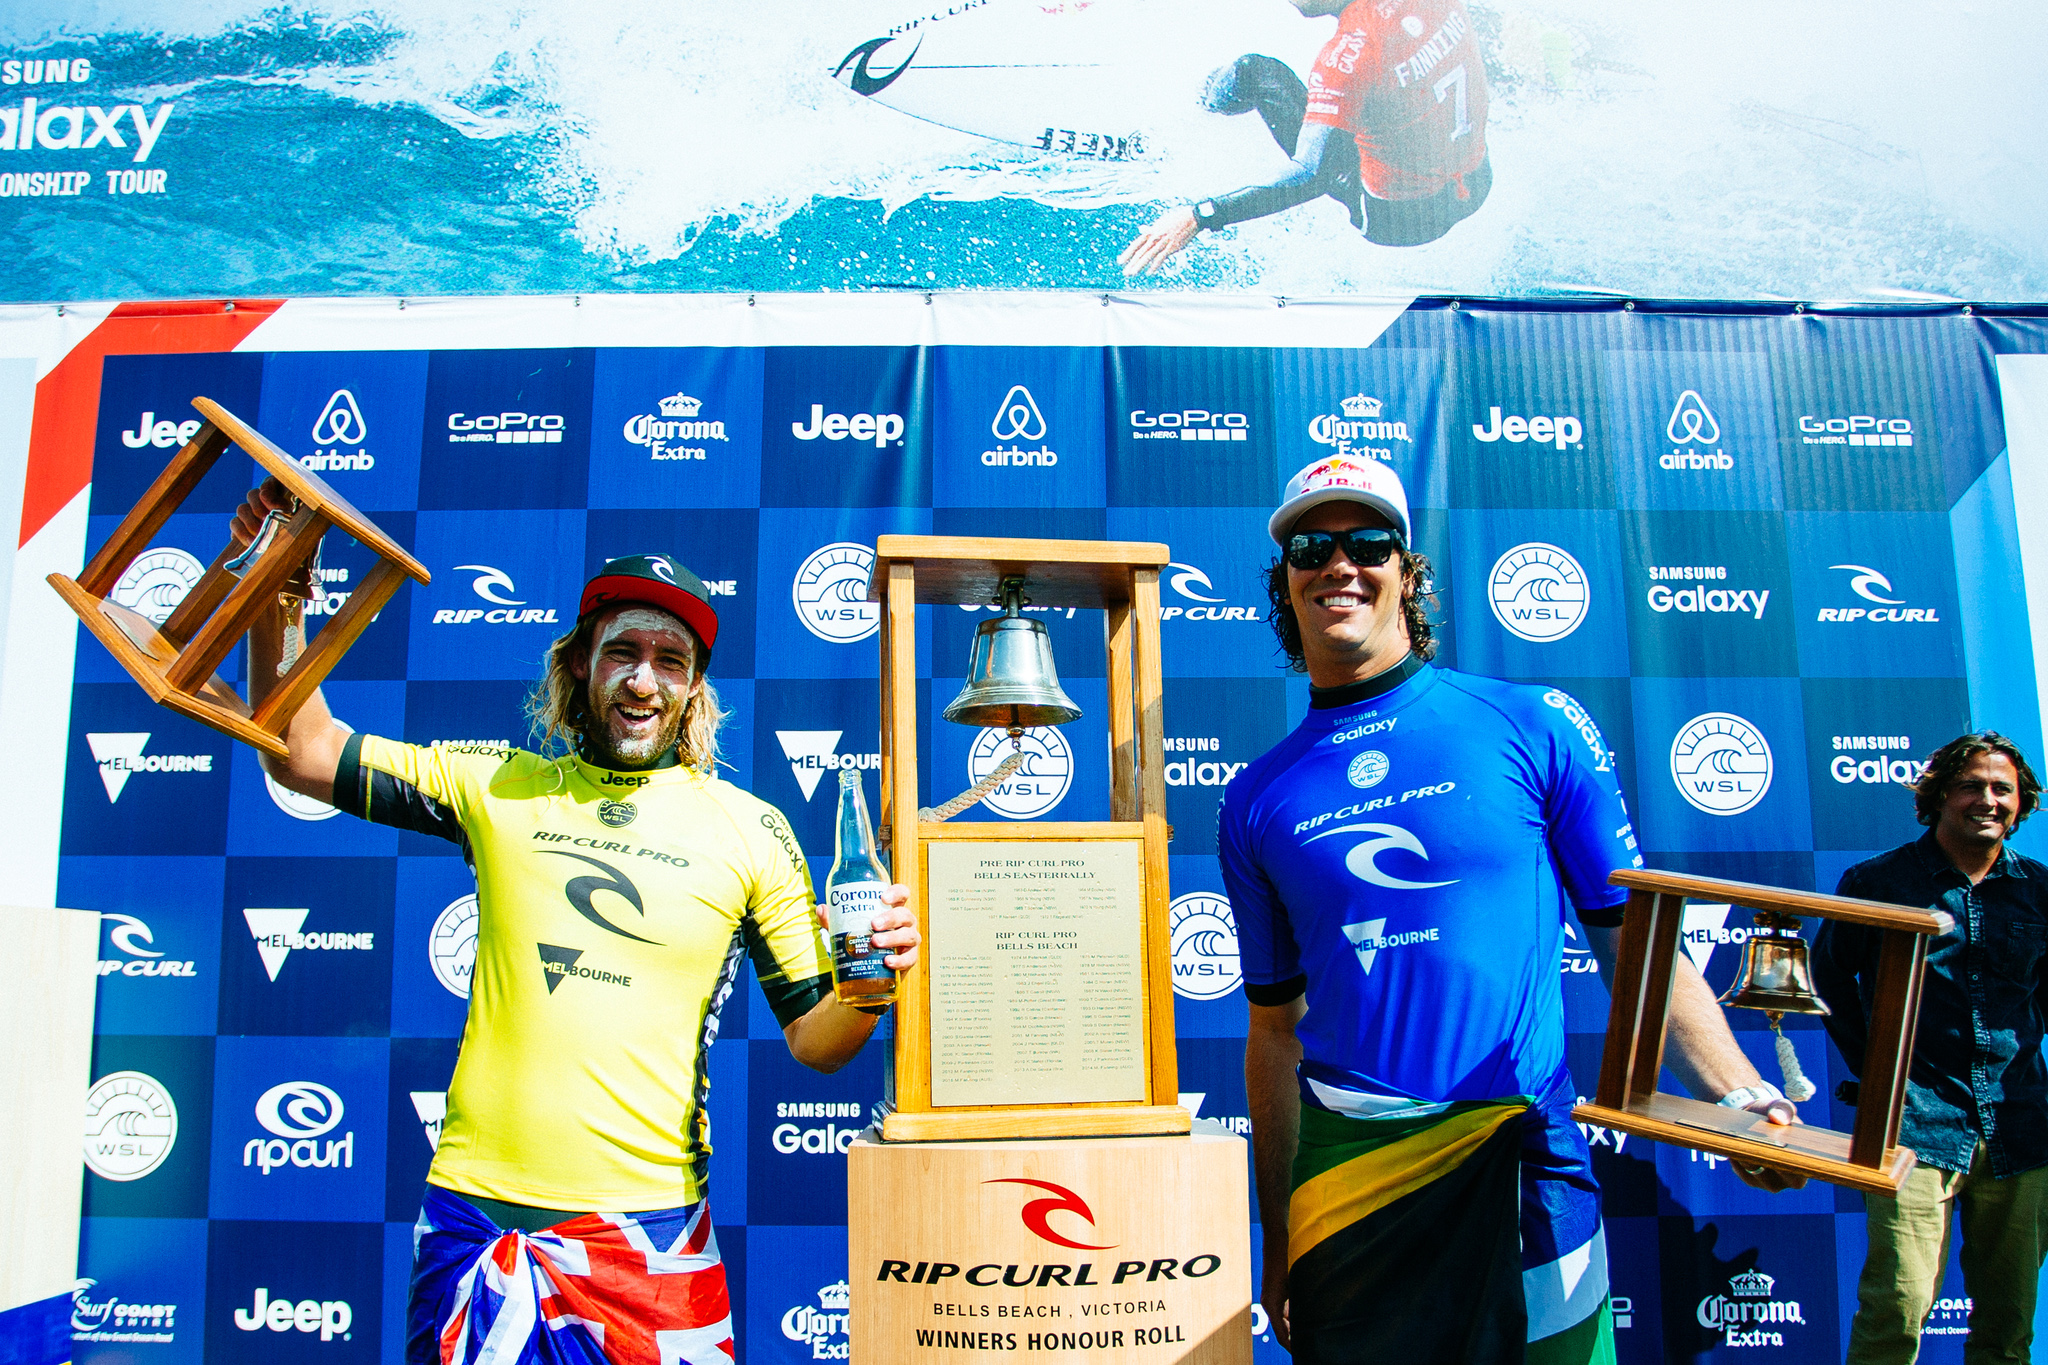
[(1325, 162), (1279, 993), (791, 1000), (386, 800)]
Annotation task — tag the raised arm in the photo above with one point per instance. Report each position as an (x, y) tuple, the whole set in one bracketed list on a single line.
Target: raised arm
[(315, 740)]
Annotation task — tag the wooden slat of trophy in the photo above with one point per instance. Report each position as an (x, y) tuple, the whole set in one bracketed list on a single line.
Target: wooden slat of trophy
[(1628, 1101), (175, 663), (941, 1088)]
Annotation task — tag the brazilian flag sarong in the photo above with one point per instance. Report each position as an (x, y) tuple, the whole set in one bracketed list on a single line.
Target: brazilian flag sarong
[(1466, 1236)]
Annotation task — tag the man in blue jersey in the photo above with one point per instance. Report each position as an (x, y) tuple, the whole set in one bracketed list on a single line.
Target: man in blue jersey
[(1399, 867)]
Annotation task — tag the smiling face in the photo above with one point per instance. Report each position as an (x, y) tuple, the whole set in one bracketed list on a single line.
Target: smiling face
[(1982, 804), (641, 674), (1350, 617)]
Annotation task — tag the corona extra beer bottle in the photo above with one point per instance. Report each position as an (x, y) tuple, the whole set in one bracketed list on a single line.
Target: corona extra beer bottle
[(853, 895)]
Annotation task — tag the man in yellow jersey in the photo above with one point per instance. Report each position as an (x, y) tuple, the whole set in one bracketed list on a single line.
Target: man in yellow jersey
[(620, 887)]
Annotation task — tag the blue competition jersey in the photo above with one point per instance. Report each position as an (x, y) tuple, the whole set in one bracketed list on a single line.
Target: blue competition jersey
[(1405, 854)]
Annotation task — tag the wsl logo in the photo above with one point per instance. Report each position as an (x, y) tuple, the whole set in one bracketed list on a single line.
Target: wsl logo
[(299, 1113), (1361, 421), (666, 435), (131, 1125), (1537, 592), (340, 424), (1368, 769), (823, 1328), (156, 583), (1038, 785), (1721, 763), (451, 946), (830, 593), (813, 753), (1018, 419), (1691, 429), (1204, 937)]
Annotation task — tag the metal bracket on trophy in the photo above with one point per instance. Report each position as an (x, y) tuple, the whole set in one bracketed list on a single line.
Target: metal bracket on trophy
[(1775, 978), (1043, 1006), (175, 662)]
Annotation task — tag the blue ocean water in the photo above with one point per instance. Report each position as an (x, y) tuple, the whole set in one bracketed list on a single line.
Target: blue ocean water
[(418, 147)]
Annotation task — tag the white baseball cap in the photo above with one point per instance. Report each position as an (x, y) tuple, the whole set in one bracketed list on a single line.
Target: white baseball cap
[(1342, 478)]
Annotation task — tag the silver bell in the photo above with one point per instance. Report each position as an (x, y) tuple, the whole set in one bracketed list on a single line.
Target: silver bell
[(1011, 682)]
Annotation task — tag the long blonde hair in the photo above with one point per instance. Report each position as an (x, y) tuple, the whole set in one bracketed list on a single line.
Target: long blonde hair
[(558, 707)]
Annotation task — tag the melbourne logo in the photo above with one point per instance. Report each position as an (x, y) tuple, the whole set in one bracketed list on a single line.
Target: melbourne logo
[(496, 587), (1368, 937), (131, 1124), (1691, 427), (1747, 1314), (1191, 585), (1872, 586), (1368, 769), (1556, 431), (130, 935), (880, 428), (339, 424), (1360, 422), (1855, 431), (1189, 424), (157, 582), (1038, 785), (1537, 592), (451, 945), (277, 932), (299, 1113), (667, 434), (822, 1328), (119, 756), (1721, 763), (830, 593), (112, 1320), (1204, 937), (431, 1107), (1885, 768), (1037, 1213), (1017, 420), (331, 1318), (1363, 859), (559, 964), (813, 753), (505, 429)]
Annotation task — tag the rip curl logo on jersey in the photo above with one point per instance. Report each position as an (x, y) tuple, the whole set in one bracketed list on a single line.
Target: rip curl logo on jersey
[(130, 935), (1872, 586), (1859, 430), (1720, 763), (877, 428), (1363, 859), (156, 583), (1886, 768), (505, 429), (299, 1113), (451, 945), (1194, 586), (1204, 938), (1692, 425), (1018, 419), (1369, 938), (431, 1108), (1037, 786), (164, 435), (1189, 424), (581, 893), (1554, 431), (507, 608), (813, 753), (339, 424), (131, 1125), (1537, 592), (1368, 769), (277, 933), (1746, 1314), (666, 435), (830, 593), (1362, 421), (110, 1319), (119, 756), (823, 1328)]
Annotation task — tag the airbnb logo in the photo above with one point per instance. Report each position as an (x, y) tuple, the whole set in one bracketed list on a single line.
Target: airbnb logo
[(1038, 1211)]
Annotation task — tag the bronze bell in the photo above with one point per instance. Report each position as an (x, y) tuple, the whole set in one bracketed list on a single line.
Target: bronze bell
[(1011, 682), (1776, 975)]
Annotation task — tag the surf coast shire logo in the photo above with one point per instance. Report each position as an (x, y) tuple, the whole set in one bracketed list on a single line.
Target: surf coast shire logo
[(1362, 420), (667, 434), (1537, 592), (112, 1320)]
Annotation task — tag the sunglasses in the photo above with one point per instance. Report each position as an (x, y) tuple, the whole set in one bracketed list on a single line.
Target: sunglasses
[(1367, 548)]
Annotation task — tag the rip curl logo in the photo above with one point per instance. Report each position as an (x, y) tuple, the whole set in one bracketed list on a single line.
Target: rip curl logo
[(298, 1112), (128, 934), (1363, 860), (580, 891), (662, 569), (1037, 1213), (859, 80)]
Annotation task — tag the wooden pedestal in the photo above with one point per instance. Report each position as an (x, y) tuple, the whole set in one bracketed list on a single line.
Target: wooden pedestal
[(1074, 1249)]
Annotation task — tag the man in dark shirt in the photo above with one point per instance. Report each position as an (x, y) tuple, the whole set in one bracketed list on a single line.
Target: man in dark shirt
[(1977, 1093)]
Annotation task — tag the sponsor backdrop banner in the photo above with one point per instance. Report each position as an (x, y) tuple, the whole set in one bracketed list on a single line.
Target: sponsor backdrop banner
[(1763, 563), (406, 146)]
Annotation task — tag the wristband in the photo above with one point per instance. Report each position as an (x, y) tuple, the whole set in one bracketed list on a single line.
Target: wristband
[(1205, 215), (1763, 1092), (877, 1010)]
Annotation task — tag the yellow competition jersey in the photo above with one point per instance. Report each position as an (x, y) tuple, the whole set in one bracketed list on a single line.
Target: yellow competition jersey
[(615, 910)]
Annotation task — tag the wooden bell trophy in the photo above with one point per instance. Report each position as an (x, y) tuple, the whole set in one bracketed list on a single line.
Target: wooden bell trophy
[(1774, 979), (1032, 1157)]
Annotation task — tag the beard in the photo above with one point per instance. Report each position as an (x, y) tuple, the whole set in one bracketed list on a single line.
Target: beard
[(608, 748)]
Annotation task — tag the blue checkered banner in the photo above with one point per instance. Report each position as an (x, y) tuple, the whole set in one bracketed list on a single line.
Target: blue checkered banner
[(1807, 532)]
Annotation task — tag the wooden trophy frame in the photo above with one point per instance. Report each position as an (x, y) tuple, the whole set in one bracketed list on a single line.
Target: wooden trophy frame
[(175, 663), (1868, 1158), (1122, 579)]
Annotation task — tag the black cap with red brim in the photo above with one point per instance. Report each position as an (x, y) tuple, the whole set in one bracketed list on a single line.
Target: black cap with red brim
[(657, 581)]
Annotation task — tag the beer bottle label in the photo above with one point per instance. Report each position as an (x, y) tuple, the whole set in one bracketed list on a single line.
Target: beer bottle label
[(851, 910)]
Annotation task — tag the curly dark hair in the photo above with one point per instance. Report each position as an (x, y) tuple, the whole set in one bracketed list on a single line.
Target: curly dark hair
[(1418, 586), (1946, 764)]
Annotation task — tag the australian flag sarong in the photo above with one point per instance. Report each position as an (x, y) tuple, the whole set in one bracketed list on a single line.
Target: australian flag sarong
[(599, 1289), (1466, 1235)]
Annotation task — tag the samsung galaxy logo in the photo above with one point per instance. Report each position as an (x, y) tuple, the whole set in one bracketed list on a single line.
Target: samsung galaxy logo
[(63, 127), (1371, 727)]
